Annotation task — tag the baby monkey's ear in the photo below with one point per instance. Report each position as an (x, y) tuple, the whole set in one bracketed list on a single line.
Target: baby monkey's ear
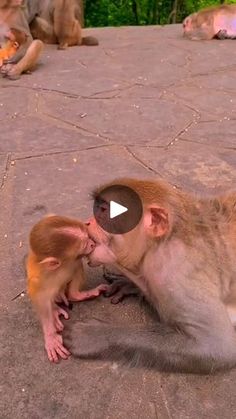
[(51, 263)]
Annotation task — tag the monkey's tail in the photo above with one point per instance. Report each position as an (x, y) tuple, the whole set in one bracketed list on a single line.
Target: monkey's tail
[(89, 40)]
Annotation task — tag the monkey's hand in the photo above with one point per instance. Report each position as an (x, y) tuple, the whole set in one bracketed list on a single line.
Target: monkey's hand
[(120, 289), (10, 71), (55, 348), (88, 340), (89, 294), (62, 298), (222, 34), (57, 312), (101, 340)]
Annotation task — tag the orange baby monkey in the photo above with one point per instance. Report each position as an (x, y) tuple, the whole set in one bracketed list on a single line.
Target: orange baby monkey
[(12, 40), (55, 273)]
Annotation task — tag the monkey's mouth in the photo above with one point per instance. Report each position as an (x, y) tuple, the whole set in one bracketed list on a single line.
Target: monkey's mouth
[(95, 239)]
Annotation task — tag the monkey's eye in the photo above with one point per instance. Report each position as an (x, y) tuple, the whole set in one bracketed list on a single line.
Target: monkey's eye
[(103, 208)]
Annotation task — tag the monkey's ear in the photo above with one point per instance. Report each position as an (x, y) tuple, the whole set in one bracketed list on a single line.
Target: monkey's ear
[(51, 263), (156, 221)]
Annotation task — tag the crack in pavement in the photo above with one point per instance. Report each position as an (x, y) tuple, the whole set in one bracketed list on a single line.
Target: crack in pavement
[(138, 160), (54, 153), (208, 145), (172, 142), (72, 124), (6, 170)]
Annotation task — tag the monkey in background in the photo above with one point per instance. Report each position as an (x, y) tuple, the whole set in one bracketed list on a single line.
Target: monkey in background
[(214, 22), (60, 22), (55, 273), (13, 20), (181, 256)]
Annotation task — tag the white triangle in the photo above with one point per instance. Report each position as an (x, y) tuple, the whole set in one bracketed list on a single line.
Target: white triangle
[(116, 209)]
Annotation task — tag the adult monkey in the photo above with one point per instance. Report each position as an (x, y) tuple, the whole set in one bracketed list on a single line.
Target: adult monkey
[(213, 22), (16, 15), (60, 22), (182, 256)]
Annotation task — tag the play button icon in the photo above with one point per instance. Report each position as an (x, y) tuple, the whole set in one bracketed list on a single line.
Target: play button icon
[(117, 209)]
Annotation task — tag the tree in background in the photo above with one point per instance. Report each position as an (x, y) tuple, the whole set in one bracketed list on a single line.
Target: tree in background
[(141, 12)]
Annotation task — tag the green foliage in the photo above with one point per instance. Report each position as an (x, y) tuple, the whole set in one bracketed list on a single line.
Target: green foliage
[(141, 12)]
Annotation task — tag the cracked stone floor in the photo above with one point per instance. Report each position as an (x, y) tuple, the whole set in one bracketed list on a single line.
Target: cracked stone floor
[(146, 103)]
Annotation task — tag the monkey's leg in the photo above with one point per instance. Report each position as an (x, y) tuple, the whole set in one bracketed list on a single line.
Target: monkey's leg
[(202, 342), (26, 63), (41, 29)]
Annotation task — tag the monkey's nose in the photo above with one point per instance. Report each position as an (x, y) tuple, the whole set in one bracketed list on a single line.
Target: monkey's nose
[(88, 222), (91, 245)]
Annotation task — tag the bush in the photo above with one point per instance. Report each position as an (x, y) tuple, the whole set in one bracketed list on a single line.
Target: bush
[(141, 12)]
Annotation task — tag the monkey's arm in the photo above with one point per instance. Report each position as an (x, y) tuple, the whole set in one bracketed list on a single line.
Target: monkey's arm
[(74, 292), (26, 63), (49, 313), (208, 343)]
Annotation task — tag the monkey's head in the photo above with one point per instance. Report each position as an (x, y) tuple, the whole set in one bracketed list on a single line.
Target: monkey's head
[(190, 24), (199, 25), (128, 249), (58, 241), (17, 36)]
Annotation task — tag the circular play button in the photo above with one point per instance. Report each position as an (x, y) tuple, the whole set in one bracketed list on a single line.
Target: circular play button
[(117, 209)]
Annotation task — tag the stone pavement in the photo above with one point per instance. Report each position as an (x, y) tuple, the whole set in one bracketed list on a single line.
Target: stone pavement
[(144, 103)]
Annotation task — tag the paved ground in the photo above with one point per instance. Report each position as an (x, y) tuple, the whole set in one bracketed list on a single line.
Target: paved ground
[(147, 103)]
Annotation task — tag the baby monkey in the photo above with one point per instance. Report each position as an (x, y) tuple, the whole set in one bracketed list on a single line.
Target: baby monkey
[(55, 273)]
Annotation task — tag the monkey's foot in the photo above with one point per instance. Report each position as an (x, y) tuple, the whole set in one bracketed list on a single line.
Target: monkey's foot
[(55, 348), (10, 71), (57, 312), (62, 46), (120, 289), (87, 295)]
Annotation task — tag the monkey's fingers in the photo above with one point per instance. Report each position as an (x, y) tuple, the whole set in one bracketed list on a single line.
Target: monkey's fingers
[(5, 68), (121, 289), (55, 348), (102, 288), (62, 312), (62, 298), (89, 294), (58, 323)]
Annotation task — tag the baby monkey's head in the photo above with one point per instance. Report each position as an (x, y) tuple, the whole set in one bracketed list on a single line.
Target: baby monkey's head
[(57, 240)]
